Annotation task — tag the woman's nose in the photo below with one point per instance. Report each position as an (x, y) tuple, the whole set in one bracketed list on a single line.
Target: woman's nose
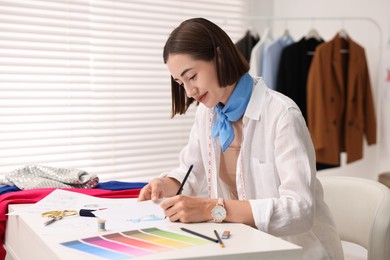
[(190, 91)]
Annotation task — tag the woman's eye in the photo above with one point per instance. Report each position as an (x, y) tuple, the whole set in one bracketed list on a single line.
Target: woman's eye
[(193, 77)]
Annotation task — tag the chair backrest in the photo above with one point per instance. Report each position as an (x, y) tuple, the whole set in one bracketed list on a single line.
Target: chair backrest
[(361, 210)]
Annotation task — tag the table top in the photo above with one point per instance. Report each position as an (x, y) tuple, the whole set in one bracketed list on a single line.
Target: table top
[(244, 241)]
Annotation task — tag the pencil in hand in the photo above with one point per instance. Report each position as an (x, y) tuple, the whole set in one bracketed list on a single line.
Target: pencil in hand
[(183, 182)]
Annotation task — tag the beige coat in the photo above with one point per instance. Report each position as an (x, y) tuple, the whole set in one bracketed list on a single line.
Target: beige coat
[(339, 101)]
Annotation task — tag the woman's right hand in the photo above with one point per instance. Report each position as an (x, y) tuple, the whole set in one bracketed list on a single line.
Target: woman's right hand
[(152, 191)]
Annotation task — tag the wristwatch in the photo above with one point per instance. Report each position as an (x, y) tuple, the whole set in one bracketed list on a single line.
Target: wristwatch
[(218, 213)]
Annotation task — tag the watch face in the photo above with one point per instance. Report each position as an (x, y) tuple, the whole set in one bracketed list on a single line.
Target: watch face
[(218, 213)]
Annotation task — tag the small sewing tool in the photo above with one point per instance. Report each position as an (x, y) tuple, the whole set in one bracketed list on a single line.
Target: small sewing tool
[(55, 215), (225, 234), (101, 224)]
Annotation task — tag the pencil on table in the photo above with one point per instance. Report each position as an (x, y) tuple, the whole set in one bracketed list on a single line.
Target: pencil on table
[(199, 235), (219, 239)]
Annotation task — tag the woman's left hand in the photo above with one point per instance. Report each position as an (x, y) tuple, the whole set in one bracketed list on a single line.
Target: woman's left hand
[(187, 209)]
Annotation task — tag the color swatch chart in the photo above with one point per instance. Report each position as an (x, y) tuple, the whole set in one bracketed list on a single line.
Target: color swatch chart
[(134, 243)]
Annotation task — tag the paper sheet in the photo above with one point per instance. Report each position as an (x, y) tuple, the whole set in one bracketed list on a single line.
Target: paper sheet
[(62, 199), (119, 213), (133, 215)]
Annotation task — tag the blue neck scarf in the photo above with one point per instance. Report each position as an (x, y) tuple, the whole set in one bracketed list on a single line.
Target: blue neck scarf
[(232, 111)]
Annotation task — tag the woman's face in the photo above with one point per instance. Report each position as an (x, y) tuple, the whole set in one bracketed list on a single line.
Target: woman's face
[(199, 79)]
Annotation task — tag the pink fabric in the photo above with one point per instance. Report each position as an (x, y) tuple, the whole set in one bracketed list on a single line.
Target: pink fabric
[(33, 196)]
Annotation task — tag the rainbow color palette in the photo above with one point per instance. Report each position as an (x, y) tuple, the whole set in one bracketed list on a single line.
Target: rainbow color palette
[(134, 243)]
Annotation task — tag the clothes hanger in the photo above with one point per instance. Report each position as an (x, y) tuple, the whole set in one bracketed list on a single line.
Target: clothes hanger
[(253, 32), (313, 33), (286, 33), (344, 36)]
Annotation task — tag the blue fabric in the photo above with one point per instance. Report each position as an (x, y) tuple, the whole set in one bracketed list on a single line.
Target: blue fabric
[(119, 185), (232, 111), (8, 188)]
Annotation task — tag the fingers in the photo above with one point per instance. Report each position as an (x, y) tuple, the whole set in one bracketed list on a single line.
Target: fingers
[(151, 191), (145, 193), (173, 208), (186, 209), (155, 193), (169, 203)]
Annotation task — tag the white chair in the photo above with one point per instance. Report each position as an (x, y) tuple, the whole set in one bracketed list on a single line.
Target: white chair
[(361, 210)]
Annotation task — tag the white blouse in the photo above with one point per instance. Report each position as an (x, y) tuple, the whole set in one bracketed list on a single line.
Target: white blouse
[(275, 172)]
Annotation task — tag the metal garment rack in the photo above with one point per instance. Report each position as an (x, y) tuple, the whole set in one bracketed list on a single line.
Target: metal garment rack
[(270, 19)]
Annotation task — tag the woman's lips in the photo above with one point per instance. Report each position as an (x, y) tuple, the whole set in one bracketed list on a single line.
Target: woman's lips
[(201, 98)]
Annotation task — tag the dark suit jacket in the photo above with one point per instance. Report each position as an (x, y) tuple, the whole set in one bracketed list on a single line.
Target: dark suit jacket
[(294, 65), (339, 101), (246, 44)]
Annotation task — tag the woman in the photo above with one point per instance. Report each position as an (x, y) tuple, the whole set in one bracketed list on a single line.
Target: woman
[(253, 158)]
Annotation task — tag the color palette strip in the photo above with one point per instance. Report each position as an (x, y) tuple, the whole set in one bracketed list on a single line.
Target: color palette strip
[(134, 243), (99, 241), (93, 250), (176, 236), (156, 239), (118, 237)]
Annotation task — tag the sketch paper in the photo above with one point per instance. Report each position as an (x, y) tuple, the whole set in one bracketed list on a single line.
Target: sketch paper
[(118, 213), (133, 215), (63, 199)]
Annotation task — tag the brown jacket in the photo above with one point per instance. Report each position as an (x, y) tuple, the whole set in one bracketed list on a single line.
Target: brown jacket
[(339, 101)]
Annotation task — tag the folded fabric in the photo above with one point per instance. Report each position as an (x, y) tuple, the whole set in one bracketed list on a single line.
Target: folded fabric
[(5, 189), (108, 185), (120, 185), (33, 196), (37, 176)]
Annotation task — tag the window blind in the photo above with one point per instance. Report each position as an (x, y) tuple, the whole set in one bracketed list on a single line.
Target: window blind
[(83, 84)]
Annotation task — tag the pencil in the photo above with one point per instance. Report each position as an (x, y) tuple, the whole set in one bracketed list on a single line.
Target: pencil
[(184, 180), (199, 235), (219, 239)]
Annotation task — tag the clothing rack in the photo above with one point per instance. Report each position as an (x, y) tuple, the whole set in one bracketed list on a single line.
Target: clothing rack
[(342, 19)]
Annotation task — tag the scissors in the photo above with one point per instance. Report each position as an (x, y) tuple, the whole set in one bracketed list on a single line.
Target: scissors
[(55, 215)]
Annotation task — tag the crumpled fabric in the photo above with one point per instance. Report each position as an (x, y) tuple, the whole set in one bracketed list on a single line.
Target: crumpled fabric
[(38, 176)]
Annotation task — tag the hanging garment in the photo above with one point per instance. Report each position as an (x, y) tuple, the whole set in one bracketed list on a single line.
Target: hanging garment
[(292, 73), (256, 60), (340, 104), (293, 68), (246, 44), (271, 59)]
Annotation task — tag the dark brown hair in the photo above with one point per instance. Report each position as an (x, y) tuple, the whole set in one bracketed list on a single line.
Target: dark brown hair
[(203, 40)]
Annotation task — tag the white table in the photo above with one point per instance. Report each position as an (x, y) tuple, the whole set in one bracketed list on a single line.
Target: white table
[(24, 240)]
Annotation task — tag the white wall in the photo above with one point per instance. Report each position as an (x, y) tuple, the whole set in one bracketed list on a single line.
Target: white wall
[(373, 34)]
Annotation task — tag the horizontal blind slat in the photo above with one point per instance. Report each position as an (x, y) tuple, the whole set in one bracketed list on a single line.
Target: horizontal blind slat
[(84, 86)]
